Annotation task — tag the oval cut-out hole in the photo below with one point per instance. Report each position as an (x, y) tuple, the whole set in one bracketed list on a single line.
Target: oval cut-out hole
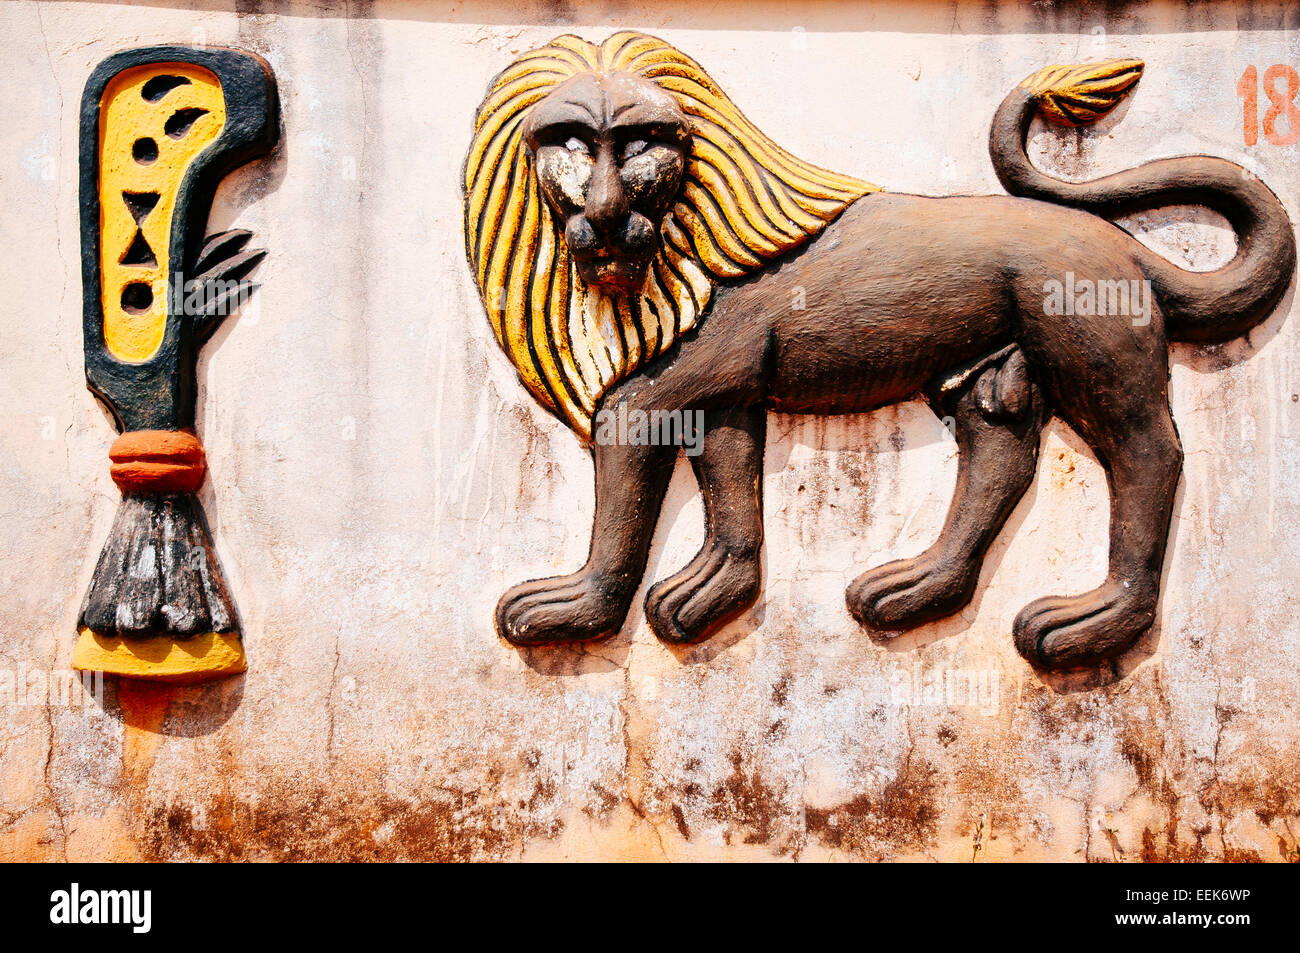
[(137, 297), (180, 121), (145, 150), (158, 87)]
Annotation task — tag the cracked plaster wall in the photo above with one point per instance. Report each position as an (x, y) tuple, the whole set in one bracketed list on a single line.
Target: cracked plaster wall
[(379, 477)]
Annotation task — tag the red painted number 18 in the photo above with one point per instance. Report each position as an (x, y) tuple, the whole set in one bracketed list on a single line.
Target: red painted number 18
[(1280, 103)]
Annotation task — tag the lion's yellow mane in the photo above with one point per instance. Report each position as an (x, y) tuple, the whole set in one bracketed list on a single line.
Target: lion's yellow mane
[(745, 200)]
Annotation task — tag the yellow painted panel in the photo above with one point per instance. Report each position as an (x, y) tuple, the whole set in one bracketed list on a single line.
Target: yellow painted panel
[(127, 119)]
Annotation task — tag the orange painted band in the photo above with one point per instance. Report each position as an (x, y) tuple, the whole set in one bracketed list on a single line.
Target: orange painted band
[(158, 461)]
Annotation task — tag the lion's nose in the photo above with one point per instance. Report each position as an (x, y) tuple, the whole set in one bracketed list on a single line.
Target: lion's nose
[(607, 206)]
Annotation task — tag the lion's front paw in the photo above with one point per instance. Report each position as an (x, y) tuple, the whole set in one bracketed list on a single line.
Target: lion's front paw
[(714, 588), (1062, 632), (908, 592), (579, 608)]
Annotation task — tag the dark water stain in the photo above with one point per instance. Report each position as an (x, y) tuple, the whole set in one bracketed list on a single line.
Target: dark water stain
[(904, 815)]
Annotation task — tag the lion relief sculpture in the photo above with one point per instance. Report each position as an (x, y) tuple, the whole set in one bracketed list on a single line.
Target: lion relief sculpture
[(636, 241)]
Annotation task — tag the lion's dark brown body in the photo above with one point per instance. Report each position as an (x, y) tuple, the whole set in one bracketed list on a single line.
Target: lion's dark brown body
[(901, 289)]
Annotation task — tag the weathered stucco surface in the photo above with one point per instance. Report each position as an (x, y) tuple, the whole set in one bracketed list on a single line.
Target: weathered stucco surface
[(379, 477)]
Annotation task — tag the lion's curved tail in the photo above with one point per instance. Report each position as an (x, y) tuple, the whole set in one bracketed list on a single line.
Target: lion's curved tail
[(1206, 307)]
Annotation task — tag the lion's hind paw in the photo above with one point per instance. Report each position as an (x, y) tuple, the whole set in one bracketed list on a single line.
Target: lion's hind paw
[(906, 593), (1061, 632)]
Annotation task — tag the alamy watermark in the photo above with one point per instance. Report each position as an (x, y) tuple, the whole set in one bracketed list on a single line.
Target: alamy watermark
[(211, 298), (651, 428), (939, 687), (133, 908), (1087, 298), (56, 688)]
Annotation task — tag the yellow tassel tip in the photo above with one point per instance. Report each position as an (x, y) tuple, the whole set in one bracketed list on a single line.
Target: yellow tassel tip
[(202, 658)]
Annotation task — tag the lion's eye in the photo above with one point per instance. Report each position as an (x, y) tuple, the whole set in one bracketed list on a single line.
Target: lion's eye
[(577, 145), (634, 148)]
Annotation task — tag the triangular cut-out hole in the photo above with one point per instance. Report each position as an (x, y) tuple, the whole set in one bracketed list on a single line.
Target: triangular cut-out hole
[(140, 204), (139, 253), (180, 121)]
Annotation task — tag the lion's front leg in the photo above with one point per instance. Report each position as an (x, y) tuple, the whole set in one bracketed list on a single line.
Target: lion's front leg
[(723, 579), (592, 603)]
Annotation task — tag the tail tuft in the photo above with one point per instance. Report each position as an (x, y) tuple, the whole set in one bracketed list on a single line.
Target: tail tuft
[(1079, 94)]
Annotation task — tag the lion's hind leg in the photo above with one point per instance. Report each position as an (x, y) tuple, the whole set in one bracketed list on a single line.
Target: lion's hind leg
[(1121, 410), (996, 413), (723, 579)]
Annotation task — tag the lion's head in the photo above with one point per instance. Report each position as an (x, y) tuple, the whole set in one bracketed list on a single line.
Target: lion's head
[(607, 189)]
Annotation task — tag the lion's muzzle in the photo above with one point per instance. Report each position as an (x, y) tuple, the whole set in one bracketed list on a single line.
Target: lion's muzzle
[(615, 260)]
